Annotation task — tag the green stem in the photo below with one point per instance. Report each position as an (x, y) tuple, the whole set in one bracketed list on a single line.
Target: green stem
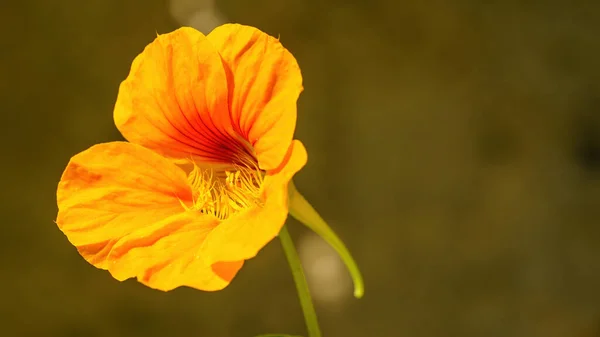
[(306, 214), (310, 316)]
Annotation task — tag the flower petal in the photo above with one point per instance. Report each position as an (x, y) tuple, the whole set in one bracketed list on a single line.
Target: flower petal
[(120, 204), (264, 85), (243, 235), (166, 255), (174, 100)]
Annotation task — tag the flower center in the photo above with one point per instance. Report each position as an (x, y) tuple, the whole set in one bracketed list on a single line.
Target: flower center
[(224, 191)]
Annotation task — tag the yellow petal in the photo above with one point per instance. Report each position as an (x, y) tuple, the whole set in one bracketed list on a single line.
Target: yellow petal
[(243, 235), (166, 255), (175, 100), (264, 85), (120, 204)]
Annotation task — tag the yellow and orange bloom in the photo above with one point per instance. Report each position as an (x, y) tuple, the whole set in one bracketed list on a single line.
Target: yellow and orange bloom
[(202, 183)]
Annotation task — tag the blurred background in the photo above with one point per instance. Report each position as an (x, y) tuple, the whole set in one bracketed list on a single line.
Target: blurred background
[(455, 147)]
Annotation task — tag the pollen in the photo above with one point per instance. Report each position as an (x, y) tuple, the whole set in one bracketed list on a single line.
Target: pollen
[(222, 192)]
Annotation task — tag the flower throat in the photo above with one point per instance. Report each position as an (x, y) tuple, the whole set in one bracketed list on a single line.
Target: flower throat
[(224, 192)]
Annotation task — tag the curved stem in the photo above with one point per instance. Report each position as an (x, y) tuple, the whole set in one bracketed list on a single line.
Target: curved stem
[(308, 309)]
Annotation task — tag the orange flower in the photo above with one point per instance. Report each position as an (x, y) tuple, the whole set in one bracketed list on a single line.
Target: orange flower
[(202, 184)]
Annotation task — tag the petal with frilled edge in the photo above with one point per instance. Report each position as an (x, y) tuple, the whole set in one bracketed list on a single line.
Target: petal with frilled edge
[(174, 100), (122, 206), (264, 85)]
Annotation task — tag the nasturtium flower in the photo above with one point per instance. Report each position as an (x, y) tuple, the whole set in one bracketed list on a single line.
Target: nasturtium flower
[(202, 183)]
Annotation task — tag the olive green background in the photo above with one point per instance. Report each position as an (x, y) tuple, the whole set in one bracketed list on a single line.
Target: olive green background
[(455, 147)]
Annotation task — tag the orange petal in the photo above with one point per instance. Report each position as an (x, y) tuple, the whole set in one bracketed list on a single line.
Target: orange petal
[(166, 255), (264, 85), (243, 235), (120, 204), (174, 100)]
